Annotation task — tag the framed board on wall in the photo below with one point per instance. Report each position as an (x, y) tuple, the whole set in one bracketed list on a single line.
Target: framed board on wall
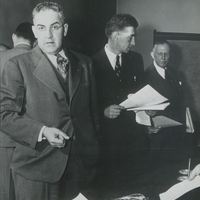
[(186, 61)]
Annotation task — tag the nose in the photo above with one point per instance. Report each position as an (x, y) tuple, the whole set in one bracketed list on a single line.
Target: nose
[(48, 33), (164, 56), (133, 41)]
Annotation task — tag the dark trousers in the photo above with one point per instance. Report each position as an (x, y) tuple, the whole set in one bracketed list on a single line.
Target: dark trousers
[(73, 181), (6, 181)]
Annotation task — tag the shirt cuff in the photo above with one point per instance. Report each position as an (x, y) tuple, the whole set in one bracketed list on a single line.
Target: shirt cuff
[(41, 137)]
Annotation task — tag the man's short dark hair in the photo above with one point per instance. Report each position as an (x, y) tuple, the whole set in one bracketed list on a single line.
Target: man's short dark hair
[(24, 30), (119, 22)]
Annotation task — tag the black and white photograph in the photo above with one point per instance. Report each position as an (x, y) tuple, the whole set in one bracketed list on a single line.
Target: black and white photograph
[(99, 100)]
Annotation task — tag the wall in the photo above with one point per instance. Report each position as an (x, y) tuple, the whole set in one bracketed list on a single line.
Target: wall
[(86, 19), (162, 15)]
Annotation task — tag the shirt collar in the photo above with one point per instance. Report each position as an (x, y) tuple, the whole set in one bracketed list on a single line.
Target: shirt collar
[(53, 58), (160, 70), (26, 43), (111, 56)]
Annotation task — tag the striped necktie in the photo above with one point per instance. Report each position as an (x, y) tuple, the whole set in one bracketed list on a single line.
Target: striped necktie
[(118, 67)]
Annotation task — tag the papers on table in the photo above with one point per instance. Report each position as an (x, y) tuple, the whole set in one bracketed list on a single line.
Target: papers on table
[(180, 189), (80, 197), (145, 99)]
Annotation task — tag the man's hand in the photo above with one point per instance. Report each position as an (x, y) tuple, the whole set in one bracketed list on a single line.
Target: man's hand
[(195, 172), (113, 111), (153, 129), (55, 137), (151, 113)]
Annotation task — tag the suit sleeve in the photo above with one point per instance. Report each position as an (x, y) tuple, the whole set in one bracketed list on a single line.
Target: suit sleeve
[(14, 120), (94, 106)]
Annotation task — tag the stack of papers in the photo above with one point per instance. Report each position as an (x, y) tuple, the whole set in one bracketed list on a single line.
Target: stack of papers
[(180, 189), (145, 99)]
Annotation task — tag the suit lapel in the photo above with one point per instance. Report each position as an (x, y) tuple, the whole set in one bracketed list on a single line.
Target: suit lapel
[(45, 73), (75, 71)]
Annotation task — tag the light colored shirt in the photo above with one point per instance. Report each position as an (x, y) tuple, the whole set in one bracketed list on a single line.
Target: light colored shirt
[(26, 43), (160, 70), (112, 57)]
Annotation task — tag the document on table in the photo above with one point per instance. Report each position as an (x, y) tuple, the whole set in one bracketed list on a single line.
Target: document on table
[(144, 99), (80, 197), (180, 189)]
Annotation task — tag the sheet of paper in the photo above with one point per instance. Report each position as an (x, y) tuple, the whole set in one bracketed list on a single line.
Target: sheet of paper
[(145, 97), (162, 121), (142, 118), (189, 123), (180, 189), (80, 197), (161, 106)]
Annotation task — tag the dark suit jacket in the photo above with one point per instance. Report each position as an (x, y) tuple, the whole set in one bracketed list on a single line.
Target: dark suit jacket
[(5, 140), (110, 91), (31, 97), (172, 91)]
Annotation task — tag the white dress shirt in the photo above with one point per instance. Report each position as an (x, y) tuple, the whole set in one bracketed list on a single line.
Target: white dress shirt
[(112, 57), (160, 70)]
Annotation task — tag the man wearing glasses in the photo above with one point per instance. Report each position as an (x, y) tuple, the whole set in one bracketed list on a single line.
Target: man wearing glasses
[(171, 144), (48, 107)]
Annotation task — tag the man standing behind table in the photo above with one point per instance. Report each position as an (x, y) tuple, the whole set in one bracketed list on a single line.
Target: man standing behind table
[(171, 144), (23, 39), (119, 72), (48, 106)]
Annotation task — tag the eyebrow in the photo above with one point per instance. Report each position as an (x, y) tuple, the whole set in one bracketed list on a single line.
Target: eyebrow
[(50, 25)]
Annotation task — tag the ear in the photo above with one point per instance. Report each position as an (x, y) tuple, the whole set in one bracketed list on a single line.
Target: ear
[(152, 54), (34, 31), (65, 29), (115, 35), (13, 37)]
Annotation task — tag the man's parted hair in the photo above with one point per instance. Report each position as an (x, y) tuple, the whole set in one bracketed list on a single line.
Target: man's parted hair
[(49, 6), (119, 22), (24, 30)]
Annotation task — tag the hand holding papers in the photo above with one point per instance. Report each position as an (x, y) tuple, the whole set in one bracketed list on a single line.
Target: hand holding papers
[(145, 99)]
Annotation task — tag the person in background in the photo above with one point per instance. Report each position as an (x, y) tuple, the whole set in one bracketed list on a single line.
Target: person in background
[(48, 107), (4, 47), (168, 144), (23, 39), (119, 72)]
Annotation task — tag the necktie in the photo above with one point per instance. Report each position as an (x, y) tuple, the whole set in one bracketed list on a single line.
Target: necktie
[(167, 76), (118, 68), (62, 66)]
